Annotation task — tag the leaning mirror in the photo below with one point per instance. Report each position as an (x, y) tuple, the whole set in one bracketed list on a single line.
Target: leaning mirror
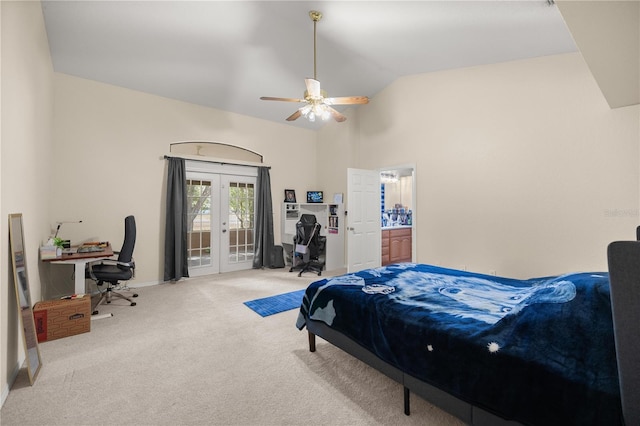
[(23, 296)]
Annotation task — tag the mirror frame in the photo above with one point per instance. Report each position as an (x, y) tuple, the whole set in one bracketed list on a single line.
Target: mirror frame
[(23, 297)]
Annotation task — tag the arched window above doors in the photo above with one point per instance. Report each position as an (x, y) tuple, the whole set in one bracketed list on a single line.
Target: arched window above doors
[(215, 150)]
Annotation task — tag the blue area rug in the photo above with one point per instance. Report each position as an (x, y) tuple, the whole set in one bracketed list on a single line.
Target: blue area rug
[(276, 304)]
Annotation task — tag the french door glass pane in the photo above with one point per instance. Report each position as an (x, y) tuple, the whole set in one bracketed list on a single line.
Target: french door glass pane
[(199, 223), (241, 226)]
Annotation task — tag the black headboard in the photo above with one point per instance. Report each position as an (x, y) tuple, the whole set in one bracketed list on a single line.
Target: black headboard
[(624, 276)]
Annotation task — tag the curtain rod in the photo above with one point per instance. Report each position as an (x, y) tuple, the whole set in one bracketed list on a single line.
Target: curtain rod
[(221, 162)]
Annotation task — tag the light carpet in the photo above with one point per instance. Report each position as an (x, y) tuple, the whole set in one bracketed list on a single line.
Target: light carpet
[(190, 353)]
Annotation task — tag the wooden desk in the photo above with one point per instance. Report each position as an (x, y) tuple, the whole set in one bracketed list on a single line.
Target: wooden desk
[(80, 260)]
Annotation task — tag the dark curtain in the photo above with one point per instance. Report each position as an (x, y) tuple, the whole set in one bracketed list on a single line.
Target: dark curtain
[(264, 250), (175, 240)]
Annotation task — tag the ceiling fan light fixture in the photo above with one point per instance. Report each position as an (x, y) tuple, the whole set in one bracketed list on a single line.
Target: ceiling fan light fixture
[(389, 177), (315, 109), (317, 103), (305, 110)]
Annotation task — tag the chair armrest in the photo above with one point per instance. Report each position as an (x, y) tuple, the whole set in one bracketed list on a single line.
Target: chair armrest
[(131, 265)]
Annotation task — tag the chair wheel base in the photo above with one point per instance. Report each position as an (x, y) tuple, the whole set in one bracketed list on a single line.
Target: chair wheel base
[(135, 295), (133, 303), (94, 313)]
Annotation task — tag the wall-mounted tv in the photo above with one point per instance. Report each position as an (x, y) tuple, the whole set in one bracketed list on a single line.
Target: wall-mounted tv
[(314, 197)]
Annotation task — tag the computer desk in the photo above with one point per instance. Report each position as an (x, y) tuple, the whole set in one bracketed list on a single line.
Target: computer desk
[(80, 260)]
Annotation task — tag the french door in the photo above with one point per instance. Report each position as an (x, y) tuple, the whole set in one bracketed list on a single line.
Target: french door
[(237, 201), (203, 244), (221, 222)]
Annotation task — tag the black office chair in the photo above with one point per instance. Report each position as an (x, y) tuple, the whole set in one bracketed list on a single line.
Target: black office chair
[(113, 271), (308, 246), (624, 275)]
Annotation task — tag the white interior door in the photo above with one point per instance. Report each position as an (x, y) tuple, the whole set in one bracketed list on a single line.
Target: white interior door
[(363, 219)]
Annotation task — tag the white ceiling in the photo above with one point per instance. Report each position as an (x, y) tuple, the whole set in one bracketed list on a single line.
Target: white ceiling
[(226, 54)]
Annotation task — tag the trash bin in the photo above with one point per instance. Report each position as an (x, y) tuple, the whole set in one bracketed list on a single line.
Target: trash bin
[(277, 258)]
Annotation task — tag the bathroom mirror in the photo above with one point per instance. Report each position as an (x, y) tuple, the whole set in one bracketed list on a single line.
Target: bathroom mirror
[(398, 188), (23, 297)]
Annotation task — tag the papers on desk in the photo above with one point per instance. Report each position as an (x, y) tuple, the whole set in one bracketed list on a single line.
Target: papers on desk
[(103, 244), (91, 248)]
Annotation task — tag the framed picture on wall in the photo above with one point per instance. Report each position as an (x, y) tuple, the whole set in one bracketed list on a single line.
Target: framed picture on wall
[(289, 196)]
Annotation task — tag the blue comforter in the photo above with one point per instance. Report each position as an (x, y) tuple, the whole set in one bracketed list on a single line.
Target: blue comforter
[(540, 351)]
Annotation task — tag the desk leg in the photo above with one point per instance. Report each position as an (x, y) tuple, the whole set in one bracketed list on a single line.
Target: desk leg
[(79, 277)]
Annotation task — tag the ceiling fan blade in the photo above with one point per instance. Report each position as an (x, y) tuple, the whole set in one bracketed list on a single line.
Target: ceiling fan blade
[(313, 87), (347, 100), (271, 98), (336, 115), (294, 116)]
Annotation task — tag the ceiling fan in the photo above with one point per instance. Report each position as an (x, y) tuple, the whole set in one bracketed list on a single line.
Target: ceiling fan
[(316, 102)]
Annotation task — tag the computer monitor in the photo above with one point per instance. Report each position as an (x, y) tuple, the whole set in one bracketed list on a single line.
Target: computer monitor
[(314, 197)]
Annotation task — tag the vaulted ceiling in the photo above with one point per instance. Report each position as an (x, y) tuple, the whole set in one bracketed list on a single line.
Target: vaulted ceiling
[(227, 54)]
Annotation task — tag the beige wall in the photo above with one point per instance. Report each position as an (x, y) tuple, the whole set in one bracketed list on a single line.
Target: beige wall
[(26, 166), (114, 138), (522, 168), (336, 152)]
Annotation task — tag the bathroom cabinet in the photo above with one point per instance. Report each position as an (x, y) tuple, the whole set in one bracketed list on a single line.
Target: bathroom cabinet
[(396, 245), (385, 248)]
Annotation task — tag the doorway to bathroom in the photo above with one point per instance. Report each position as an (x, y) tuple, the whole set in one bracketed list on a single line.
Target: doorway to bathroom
[(397, 214), (365, 219)]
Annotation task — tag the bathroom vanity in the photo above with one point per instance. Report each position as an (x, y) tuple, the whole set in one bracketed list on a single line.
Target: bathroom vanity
[(396, 244)]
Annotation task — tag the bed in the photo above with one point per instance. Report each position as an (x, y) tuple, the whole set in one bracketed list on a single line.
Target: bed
[(490, 350)]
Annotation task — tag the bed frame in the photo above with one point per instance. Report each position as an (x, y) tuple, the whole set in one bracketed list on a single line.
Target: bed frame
[(466, 412), (624, 272)]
